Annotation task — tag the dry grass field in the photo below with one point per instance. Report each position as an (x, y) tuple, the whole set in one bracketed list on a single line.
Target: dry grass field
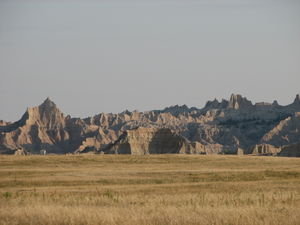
[(155, 189)]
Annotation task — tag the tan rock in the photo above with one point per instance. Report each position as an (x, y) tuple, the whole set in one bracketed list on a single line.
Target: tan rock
[(143, 141), (284, 133), (220, 127), (264, 149), (20, 151)]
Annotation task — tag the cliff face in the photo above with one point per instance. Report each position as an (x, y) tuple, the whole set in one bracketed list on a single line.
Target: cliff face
[(264, 149), (143, 141), (285, 132), (292, 150), (238, 102), (230, 126)]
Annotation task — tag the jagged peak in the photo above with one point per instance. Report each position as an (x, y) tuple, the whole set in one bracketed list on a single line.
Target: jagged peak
[(47, 114), (49, 107), (177, 107), (237, 101), (48, 103), (126, 111), (215, 100), (212, 104), (297, 99), (235, 97), (275, 103), (215, 104)]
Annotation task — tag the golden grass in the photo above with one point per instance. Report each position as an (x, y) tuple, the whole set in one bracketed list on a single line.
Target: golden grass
[(155, 189)]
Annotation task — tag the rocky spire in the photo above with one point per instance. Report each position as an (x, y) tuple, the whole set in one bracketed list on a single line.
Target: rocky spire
[(212, 104), (176, 109), (238, 102), (215, 104), (297, 99), (48, 103), (275, 103), (49, 114)]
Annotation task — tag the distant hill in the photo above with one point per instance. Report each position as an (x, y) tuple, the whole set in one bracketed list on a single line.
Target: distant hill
[(234, 126)]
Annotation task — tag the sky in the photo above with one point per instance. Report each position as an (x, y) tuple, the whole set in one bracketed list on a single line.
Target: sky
[(93, 56)]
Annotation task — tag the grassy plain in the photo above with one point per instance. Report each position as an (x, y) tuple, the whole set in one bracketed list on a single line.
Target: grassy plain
[(155, 189)]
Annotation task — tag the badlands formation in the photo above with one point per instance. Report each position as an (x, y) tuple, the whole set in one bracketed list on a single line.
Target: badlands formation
[(234, 126)]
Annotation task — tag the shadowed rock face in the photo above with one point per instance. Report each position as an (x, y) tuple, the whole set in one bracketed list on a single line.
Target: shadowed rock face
[(230, 126), (143, 141), (285, 132), (290, 150)]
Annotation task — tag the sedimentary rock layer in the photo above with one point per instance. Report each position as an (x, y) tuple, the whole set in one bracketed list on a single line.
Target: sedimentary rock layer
[(233, 126)]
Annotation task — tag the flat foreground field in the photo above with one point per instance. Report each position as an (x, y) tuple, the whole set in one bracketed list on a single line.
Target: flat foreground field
[(155, 189)]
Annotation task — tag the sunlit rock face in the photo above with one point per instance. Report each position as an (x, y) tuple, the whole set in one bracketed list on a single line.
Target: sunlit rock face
[(264, 149), (40, 127)]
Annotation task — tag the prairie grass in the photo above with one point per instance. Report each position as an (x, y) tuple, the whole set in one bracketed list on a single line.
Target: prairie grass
[(152, 189)]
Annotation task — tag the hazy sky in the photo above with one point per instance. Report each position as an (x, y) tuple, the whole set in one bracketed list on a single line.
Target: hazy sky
[(111, 55)]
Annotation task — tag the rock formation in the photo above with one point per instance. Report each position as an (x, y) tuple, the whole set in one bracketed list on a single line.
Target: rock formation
[(142, 141), (292, 150), (20, 151), (264, 149), (285, 132), (234, 126), (238, 102), (40, 127)]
